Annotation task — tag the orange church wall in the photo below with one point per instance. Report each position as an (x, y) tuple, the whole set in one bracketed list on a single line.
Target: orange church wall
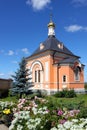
[(64, 70), (70, 83), (76, 84), (52, 82), (54, 75)]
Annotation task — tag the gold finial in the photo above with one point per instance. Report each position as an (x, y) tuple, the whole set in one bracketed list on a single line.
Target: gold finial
[(51, 22)]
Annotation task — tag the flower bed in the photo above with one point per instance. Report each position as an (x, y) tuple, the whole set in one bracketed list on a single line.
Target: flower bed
[(39, 114), (6, 112)]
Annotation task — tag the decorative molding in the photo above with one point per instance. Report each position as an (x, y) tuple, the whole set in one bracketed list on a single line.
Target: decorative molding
[(41, 46), (79, 89), (46, 86), (65, 78), (46, 71), (36, 62), (51, 31)]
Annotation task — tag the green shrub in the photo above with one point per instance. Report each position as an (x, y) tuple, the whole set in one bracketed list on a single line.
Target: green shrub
[(85, 86), (70, 94), (83, 113), (81, 104), (47, 126), (41, 93), (73, 105), (66, 94), (60, 94)]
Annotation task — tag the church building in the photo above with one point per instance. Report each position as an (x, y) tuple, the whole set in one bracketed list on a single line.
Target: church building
[(54, 67)]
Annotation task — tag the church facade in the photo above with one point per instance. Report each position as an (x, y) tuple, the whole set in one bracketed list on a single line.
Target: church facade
[(54, 67)]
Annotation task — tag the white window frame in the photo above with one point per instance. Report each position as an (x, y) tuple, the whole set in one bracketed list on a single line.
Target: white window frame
[(36, 74), (77, 78), (63, 78)]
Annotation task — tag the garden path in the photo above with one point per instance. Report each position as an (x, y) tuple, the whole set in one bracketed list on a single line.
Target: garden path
[(3, 127)]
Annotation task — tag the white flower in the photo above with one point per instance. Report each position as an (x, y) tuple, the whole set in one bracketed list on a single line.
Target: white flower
[(75, 120), (14, 121), (19, 127), (45, 108), (68, 124), (60, 127), (34, 110), (76, 127), (54, 128), (11, 127)]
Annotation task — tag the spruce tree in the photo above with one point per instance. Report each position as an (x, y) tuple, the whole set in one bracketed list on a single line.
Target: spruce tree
[(21, 78)]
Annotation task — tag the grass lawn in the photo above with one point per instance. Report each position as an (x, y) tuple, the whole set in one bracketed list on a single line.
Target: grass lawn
[(80, 99), (13, 99), (70, 102)]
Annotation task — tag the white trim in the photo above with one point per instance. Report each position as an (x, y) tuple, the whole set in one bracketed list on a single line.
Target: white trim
[(62, 83), (75, 82), (36, 62), (79, 89), (64, 86), (46, 71), (46, 86), (40, 68), (65, 77), (78, 77), (76, 89), (51, 31)]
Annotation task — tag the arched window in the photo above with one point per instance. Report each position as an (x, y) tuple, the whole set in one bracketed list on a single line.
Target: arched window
[(36, 69), (64, 78), (37, 76), (77, 75)]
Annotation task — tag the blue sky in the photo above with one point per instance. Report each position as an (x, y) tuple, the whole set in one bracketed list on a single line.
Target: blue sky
[(23, 26)]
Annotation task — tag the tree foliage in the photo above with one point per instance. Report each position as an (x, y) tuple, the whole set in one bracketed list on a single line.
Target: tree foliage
[(22, 79), (85, 85)]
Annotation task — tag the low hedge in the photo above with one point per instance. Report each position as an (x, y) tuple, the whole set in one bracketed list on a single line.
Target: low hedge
[(65, 94)]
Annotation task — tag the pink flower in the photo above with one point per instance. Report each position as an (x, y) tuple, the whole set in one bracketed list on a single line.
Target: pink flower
[(62, 121), (73, 112), (35, 97), (47, 111), (60, 112), (27, 108)]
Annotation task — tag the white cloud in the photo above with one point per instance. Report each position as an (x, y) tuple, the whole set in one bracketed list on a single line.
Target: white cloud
[(2, 74), (25, 50), (79, 2), (75, 28), (9, 75), (15, 62), (38, 4), (10, 52), (15, 52)]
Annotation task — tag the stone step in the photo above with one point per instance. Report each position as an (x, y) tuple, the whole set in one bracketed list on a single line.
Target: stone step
[(3, 127)]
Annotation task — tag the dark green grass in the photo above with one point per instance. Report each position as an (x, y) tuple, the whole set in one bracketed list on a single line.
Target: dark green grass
[(71, 103), (13, 99), (81, 98)]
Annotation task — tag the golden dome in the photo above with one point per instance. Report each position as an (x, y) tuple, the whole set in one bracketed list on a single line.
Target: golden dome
[(51, 24)]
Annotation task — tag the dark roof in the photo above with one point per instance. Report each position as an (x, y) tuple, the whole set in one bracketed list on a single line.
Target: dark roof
[(51, 44), (69, 60)]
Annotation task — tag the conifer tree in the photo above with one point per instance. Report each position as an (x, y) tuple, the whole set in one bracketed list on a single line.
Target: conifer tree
[(21, 78)]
